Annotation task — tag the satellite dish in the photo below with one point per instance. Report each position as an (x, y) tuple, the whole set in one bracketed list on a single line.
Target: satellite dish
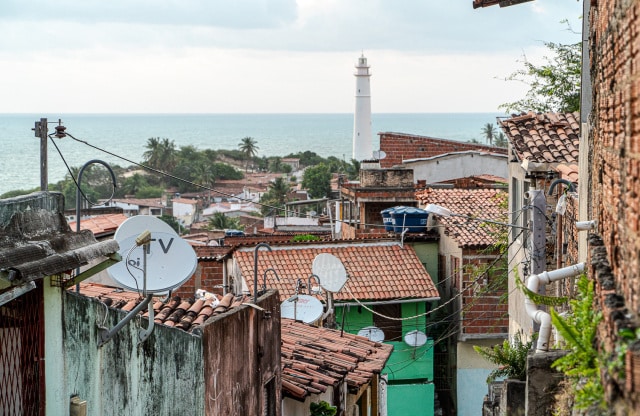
[(415, 338), (171, 261), (331, 272), (379, 154), (303, 308), (374, 333)]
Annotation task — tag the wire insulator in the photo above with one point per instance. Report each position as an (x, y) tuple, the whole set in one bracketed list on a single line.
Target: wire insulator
[(60, 132)]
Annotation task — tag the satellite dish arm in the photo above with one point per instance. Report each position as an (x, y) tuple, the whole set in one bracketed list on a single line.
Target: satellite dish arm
[(105, 335)]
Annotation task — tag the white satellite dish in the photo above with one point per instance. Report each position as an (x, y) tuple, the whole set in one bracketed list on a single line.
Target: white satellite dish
[(331, 272), (415, 338), (374, 333), (171, 261), (379, 154), (303, 308)]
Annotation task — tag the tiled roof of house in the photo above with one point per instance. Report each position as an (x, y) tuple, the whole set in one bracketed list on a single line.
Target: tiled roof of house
[(568, 172), (100, 224), (185, 201), (544, 137), (185, 314), (481, 203), (315, 358), (378, 271)]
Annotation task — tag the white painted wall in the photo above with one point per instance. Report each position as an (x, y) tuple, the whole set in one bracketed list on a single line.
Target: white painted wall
[(57, 395), (458, 165)]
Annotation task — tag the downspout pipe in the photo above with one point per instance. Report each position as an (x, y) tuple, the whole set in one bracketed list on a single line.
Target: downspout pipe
[(543, 318)]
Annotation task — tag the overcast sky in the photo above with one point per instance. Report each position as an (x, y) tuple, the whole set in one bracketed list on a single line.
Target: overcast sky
[(268, 56)]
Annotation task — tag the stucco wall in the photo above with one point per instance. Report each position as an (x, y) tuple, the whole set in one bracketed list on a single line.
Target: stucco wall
[(161, 376), (456, 166)]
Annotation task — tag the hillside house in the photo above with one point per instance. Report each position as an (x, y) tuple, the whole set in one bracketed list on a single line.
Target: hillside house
[(386, 282), (473, 276)]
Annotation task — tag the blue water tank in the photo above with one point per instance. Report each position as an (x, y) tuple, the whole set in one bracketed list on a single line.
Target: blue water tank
[(411, 218), (387, 220)]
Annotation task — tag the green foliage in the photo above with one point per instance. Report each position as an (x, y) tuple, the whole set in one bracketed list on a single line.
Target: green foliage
[(149, 192), (305, 237), (511, 358), (18, 192), (538, 298), (219, 221), (581, 365), (317, 181), (489, 132), (172, 222), (307, 158), (554, 85), (276, 196), (501, 140), (322, 408)]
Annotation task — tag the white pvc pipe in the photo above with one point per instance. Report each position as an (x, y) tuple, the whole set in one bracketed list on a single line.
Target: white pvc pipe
[(542, 317)]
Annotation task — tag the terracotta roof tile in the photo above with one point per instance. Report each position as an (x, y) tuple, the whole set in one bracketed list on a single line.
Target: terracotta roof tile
[(315, 358), (375, 271), (544, 137), (185, 314), (101, 224), (568, 172), (481, 203)]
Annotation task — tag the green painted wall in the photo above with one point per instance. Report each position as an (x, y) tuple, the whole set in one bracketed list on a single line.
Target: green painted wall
[(428, 254), (410, 363), (410, 399)]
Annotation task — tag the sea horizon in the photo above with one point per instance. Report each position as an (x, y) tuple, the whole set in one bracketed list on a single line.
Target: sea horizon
[(276, 134)]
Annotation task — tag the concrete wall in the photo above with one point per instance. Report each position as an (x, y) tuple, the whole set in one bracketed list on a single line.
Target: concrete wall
[(471, 375), (161, 376), (57, 391), (459, 165)]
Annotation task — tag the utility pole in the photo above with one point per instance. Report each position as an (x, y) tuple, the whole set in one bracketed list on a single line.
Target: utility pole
[(41, 130)]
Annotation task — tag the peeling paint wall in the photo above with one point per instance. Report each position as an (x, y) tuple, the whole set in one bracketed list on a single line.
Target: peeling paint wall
[(164, 375)]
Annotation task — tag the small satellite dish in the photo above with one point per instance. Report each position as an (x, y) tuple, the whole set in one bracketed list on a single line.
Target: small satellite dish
[(303, 308), (331, 272), (379, 154), (415, 338), (171, 261), (374, 333)]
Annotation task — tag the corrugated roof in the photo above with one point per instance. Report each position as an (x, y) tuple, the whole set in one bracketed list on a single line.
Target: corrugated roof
[(544, 137), (481, 203), (379, 271), (314, 359)]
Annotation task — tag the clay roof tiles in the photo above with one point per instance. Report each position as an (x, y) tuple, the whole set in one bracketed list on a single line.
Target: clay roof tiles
[(315, 358), (480, 203), (375, 271), (544, 137), (186, 314)]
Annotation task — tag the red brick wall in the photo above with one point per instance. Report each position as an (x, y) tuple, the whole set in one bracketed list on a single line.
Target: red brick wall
[(208, 274), (615, 172), (484, 311), (399, 147)]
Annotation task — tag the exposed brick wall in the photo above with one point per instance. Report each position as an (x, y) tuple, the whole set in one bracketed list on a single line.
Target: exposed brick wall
[(399, 147), (483, 310), (208, 274), (615, 165)]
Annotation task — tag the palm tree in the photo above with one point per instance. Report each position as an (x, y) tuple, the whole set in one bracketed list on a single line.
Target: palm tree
[(160, 154), (203, 174), (219, 221), (278, 190), (248, 147), (501, 140), (489, 132)]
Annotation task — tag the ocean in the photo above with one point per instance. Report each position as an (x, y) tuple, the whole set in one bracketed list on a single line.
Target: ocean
[(126, 135)]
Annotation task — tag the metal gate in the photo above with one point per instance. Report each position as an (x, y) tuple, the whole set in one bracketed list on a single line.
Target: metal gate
[(22, 355)]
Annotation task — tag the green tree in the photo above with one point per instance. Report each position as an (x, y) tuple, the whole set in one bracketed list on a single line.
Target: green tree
[(276, 196), (219, 221), (249, 148), (132, 185), (317, 181), (161, 154), (554, 86), (501, 140), (172, 221), (489, 132)]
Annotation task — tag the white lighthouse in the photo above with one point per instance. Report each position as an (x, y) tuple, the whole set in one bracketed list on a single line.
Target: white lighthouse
[(362, 136)]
